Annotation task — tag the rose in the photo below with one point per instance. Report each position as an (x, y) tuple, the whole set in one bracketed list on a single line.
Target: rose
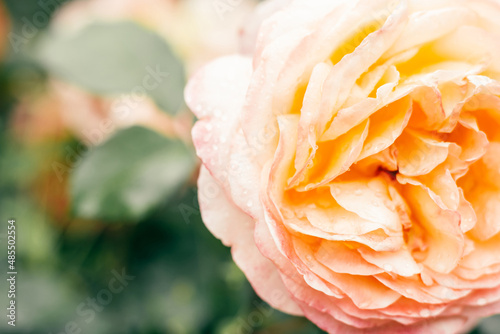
[(352, 162)]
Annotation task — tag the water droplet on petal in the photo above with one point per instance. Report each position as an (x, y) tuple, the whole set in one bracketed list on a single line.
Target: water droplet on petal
[(390, 205), (448, 293), (288, 214), (249, 204), (425, 313), (481, 302), (387, 267), (358, 192)]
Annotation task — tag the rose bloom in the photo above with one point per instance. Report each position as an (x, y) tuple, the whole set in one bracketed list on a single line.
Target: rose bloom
[(351, 159)]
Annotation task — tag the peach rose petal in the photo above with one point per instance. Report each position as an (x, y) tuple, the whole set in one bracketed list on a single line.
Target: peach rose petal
[(334, 158), (445, 240), (366, 292), (485, 254), (386, 125), (487, 169), (427, 26), (486, 200), (338, 220), (341, 259), (369, 200), (440, 326), (475, 274), (398, 262), (217, 114), (308, 133), (458, 45), (473, 142), (337, 30), (486, 203), (419, 154), (351, 66), (487, 281), (244, 250), (353, 115)]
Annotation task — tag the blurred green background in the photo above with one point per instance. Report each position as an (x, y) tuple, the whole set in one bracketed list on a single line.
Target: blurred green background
[(99, 173)]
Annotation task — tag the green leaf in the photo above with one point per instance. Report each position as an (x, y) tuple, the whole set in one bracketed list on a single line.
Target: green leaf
[(115, 58), (130, 174)]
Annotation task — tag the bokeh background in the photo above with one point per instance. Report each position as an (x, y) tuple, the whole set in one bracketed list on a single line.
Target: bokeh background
[(97, 168)]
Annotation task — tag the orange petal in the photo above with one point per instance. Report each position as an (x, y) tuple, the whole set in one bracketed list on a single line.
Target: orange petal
[(398, 262), (370, 200), (445, 239), (307, 135), (485, 254), (366, 292), (418, 154), (334, 158), (341, 259), (386, 125)]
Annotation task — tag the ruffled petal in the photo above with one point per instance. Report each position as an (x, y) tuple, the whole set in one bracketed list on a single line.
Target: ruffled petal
[(445, 240), (219, 117), (235, 229)]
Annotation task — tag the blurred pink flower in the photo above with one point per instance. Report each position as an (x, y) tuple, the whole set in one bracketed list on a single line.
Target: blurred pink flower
[(63, 108), (197, 30)]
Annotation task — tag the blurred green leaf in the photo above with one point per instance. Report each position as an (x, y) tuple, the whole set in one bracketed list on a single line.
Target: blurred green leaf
[(114, 58), (129, 174)]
